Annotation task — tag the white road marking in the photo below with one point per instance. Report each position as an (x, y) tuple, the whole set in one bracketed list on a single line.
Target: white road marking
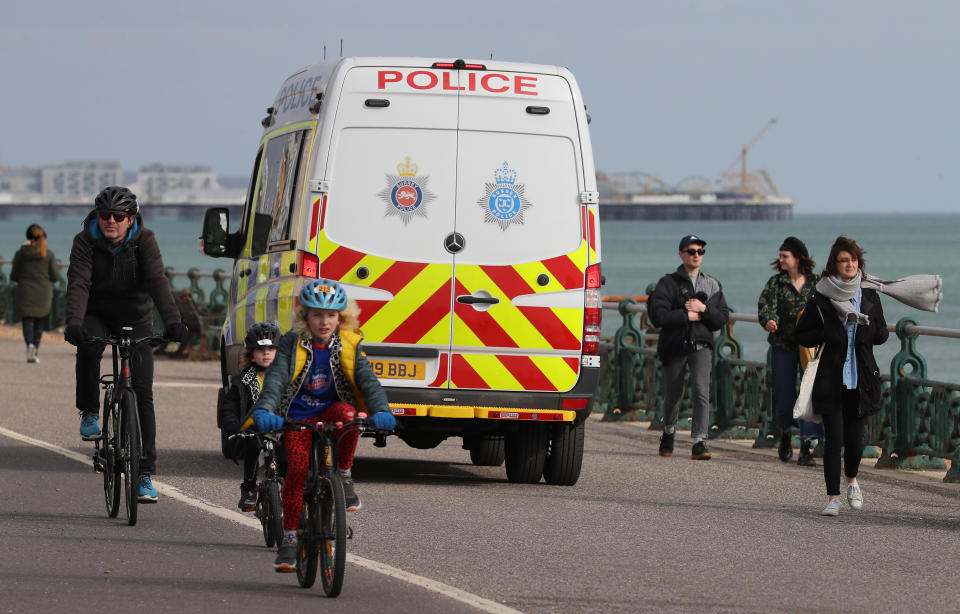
[(475, 601)]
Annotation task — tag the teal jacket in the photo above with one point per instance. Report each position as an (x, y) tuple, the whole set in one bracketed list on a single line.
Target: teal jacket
[(353, 376)]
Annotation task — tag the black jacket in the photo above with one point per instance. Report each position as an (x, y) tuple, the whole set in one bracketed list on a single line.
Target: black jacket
[(812, 330), (117, 284), (236, 402), (678, 335)]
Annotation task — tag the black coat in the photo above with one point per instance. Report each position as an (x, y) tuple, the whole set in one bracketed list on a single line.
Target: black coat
[(812, 330), (678, 335), (118, 284)]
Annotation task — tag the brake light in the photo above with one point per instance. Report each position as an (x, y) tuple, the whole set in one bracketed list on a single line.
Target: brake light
[(309, 265), (459, 65), (592, 311)]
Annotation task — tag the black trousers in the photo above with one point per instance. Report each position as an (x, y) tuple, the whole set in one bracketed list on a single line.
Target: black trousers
[(843, 429), (33, 329), (141, 364)]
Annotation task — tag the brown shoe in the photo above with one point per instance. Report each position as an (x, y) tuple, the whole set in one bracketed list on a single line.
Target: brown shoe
[(700, 451)]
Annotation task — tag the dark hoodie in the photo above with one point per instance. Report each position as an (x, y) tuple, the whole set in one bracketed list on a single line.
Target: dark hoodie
[(118, 284)]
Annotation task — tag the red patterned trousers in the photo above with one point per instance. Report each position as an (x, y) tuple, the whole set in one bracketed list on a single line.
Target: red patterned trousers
[(296, 444)]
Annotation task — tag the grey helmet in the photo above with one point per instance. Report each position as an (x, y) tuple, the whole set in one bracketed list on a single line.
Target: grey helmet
[(117, 198)]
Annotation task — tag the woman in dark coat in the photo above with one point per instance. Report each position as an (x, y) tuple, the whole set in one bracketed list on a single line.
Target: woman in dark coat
[(35, 271), (846, 390)]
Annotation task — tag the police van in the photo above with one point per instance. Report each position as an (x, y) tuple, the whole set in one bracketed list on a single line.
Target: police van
[(456, 201)]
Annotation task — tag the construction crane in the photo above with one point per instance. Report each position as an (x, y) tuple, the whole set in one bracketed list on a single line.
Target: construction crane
[(744, 182)]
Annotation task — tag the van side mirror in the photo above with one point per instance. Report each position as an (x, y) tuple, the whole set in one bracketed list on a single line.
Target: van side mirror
[(215, 237)]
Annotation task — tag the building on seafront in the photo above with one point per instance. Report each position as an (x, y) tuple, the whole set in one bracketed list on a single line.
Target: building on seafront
[(78, 182)]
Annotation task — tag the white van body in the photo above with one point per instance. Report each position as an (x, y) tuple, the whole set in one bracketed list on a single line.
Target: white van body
[(456, 201)]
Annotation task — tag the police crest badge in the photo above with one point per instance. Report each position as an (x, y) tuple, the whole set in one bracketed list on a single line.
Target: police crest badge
[(406, 195), (503, 202)]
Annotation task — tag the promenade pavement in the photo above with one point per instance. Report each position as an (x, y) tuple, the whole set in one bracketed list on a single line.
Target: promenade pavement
[(637, 533)]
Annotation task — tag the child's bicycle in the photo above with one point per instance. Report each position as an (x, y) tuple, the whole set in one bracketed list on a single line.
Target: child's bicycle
[(322, 542), (269, 508), (117, 451)]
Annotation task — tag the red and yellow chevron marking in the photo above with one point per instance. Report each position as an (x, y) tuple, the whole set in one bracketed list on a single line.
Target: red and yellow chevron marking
[(420, 313)]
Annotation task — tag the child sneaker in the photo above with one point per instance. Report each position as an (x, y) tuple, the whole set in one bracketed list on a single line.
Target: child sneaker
[(350, 495), (286, 561)]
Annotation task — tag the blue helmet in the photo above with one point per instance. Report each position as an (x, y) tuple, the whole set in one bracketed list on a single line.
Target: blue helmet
[(323, 294)]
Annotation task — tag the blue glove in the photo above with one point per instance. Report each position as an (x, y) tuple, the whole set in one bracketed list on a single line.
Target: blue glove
[(383, 420), (267, 421)]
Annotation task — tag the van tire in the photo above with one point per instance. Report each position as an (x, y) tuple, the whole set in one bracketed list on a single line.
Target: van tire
[(525, 453), (565, 456), (488, 451)]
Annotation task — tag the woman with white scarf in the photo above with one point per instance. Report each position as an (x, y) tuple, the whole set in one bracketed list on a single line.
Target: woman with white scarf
[(845, 316)]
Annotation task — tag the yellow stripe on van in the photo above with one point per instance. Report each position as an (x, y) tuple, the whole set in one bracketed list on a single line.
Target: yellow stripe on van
[(406, 304), (285, 304), (260, 306), (493, 372)]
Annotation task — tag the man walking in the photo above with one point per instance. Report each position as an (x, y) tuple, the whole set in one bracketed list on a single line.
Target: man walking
[(688, 307)]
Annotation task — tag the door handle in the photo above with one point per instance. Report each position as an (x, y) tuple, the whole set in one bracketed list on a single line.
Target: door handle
[(469, 299)]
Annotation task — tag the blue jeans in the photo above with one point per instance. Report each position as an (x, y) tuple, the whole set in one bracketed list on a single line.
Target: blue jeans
[(785, 365)]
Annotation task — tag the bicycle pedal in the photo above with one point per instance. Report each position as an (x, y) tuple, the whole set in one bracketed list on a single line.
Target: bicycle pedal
[(97, 465)]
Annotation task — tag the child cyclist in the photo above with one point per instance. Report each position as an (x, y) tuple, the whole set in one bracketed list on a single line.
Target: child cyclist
[(318, 375), (260, 348)]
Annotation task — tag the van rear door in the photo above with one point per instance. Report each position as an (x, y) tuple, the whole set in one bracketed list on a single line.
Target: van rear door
[(519, 280), (389, 207)]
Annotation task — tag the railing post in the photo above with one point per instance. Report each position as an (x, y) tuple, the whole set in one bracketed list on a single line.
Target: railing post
[(195, 290), (624, 361)]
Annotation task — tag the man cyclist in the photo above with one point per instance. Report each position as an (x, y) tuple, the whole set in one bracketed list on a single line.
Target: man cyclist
[(114, 279)]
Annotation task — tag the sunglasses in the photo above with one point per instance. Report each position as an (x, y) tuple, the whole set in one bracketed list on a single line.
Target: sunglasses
[(696, 252), (117, 217)]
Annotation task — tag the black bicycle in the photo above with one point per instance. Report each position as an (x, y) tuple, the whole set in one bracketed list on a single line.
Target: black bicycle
[(322, 542), (118, 450), (269, 510)]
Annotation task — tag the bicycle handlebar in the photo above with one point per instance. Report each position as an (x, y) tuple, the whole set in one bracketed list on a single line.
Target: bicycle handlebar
[(118, 340)]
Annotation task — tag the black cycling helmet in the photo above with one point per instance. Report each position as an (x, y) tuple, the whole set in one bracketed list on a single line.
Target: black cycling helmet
[(262, 335), (117, 198)]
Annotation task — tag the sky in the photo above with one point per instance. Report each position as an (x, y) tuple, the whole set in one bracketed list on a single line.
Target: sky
[(863, 92)]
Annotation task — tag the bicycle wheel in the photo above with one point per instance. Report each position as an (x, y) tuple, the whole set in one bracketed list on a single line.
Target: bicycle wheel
[(270, 512), (130, 452), (332, 533), (307, 551), (108, 448)]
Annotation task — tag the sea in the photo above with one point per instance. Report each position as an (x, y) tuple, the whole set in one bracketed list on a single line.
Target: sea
[(637, 253)]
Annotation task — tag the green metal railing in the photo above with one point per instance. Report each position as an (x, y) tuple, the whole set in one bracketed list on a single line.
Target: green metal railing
[(204, 312), (917, 427)]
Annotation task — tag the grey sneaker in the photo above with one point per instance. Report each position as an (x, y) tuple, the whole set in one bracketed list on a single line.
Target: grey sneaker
[(286, 561), (833, 508), (854, 496), (31, 353), (350, 495)]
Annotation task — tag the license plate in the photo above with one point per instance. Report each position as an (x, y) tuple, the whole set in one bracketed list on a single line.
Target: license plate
[(398, 369)]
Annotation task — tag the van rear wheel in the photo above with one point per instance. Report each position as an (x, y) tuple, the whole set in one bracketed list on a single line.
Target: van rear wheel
[(487, 451), (525, 453), (565, 456)]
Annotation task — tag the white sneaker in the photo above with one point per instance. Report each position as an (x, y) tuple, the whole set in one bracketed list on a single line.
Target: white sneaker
[(854, 496), (832, 509), (31, 353)]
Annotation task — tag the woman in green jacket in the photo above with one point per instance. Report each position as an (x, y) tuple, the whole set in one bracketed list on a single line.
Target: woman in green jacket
[(782, 299), (35, 271)]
